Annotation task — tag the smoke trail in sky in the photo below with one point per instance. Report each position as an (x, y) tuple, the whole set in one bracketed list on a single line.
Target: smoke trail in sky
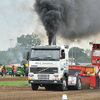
[(72, 19)]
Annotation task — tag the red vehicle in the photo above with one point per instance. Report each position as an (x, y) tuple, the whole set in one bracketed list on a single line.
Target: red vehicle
[(89, 75), (95, 55)]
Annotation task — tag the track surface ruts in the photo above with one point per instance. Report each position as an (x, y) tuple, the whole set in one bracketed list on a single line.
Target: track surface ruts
[(13, 78), (25, 92)]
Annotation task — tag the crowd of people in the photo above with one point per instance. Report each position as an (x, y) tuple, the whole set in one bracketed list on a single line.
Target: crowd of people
[(4, 71)]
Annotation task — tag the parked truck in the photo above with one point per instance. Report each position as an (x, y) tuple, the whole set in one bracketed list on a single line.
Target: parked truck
[(8, 70), (20, 70)]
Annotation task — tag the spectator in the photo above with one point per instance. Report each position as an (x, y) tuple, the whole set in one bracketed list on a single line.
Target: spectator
[(0, 70), (4, 71), (12, 71)]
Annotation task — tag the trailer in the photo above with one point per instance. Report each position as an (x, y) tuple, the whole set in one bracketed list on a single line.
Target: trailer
[(83, 77)]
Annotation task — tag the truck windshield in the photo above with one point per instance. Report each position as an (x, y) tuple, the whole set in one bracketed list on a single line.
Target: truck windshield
[(96, 52), (45, 54)]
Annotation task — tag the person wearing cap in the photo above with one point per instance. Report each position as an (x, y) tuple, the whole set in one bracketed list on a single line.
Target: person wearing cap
[(12, 71), (4, 71)]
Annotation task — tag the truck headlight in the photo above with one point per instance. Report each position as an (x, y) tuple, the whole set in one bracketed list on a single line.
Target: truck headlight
[(56, 75), (30, 75)]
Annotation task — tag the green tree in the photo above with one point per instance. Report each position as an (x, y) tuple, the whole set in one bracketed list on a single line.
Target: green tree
[(19, 52), (88, 52), (28, 40), (79, 55), (25, 42), (3, 57)]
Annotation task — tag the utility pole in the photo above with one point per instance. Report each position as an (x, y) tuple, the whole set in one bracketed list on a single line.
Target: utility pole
[(72, 52)]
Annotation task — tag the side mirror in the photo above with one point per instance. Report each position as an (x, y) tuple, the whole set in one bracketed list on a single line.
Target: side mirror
[(63, 55), (28, 56)]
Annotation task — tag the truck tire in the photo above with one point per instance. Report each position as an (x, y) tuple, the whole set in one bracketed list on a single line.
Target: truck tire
[(78, 83), (23, 74), (99, 74), (26, 71), (34, 86), (63, 85)]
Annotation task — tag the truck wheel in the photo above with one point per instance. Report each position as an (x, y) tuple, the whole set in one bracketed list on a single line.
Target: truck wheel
[(78, 83), (34, 86), (63, 85), (23, 74), (99, 74), (26, 71)]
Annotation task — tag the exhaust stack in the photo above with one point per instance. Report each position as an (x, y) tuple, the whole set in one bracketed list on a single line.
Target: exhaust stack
[(54, 40)]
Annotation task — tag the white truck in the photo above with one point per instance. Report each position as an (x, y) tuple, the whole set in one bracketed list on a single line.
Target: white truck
[(48, 67)]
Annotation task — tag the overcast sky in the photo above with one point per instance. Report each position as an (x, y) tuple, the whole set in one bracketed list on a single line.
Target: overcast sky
[(17, 17)]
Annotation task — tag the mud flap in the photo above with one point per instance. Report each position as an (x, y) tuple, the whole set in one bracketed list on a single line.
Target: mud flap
[(97, 83), (99, 80)]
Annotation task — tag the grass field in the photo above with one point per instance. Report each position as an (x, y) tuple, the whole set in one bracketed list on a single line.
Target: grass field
[(13, 82)]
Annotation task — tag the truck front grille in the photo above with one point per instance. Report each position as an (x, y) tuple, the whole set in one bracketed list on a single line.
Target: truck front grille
[(44, 70), (43, 77)]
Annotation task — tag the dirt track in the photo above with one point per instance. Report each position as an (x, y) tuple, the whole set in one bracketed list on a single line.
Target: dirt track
[(25, 93), (13, 78)]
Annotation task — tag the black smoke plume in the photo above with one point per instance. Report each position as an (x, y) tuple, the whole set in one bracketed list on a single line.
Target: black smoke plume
[(72, 19)]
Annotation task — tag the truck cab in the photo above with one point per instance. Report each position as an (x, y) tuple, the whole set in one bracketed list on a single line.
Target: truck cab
[(48, 67), (95, 56)]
